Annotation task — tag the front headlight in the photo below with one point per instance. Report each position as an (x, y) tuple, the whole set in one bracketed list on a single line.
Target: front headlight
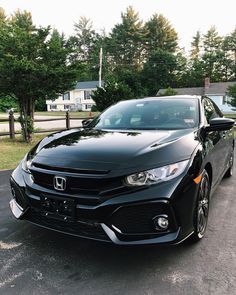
[(157, 175)]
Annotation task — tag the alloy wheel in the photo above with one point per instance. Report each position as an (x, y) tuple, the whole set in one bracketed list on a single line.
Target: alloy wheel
[(203, 206)]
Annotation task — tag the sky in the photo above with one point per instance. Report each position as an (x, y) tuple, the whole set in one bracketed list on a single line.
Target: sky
[(186, 16)]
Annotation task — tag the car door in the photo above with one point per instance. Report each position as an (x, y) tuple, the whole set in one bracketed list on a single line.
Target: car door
[(216, 142)]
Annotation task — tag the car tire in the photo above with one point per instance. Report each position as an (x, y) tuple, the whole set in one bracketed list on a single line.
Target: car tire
[(201, 210), (229, 172)]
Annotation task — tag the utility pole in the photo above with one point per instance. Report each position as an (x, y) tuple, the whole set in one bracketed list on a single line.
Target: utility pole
[(100, 68)]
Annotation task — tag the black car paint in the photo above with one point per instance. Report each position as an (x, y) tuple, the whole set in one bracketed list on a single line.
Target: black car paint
[(114, 154)]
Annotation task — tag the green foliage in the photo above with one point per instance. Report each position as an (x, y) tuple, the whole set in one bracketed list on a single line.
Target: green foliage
[(85, 37), (231, 91), (139, 58), (168, 92), (160, 34), (7, 102), (111, 93), (130, 78), (40, 105), (35, 63), (158, 71), (125, 42), (212, 56), (195, 46), (229, 47), (94, 108)]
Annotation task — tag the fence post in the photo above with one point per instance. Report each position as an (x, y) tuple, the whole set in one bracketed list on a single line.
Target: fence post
[(67, 120), (11, 125)]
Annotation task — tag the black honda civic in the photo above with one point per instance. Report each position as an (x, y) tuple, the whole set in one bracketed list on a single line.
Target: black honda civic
[(142, 172)]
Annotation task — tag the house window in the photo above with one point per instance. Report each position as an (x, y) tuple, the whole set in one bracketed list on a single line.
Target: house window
[(66, 96), (53, 107), (87, 94), (66, 106), (88, 106)]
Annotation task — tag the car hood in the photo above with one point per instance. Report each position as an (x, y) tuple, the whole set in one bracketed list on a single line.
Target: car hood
[(106, 150)]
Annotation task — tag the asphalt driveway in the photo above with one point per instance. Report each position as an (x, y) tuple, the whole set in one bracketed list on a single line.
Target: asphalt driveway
[(38, 261)]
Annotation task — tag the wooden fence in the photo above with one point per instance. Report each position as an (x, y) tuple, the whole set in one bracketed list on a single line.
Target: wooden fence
[(11, 121)]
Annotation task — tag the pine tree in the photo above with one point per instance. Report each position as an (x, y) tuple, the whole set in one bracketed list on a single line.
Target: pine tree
[(160, 34), (125, 44), (196, 46)]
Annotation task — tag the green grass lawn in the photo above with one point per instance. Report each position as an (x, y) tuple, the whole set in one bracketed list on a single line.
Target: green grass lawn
[(12, 151), (233, 116)]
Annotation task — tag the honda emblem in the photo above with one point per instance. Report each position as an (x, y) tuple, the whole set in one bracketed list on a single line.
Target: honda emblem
[(59, 183)]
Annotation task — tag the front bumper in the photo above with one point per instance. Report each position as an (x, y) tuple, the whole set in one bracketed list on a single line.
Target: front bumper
[(123, 220)]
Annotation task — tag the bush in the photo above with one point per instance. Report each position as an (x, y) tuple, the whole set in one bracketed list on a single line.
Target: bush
[(111, 93), (231, 91), (94, 108), (7, 102), (168, 92)]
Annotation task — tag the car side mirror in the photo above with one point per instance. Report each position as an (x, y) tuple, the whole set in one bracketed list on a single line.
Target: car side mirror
[(220, 124), (86, 122)]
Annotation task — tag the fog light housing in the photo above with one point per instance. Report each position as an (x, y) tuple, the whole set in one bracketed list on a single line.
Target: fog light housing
[(13, 192), (161, 222)]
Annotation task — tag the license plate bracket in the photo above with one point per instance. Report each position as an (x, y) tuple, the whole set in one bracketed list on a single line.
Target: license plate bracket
[(59, 208)]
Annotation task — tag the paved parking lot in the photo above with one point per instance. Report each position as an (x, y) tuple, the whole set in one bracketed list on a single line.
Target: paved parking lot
[(37, 261)]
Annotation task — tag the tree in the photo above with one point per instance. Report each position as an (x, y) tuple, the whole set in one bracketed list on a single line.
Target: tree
[(229, 46), (195, 46), (213, 55), (231, 92), (3, 16), (160, 35), (40, 105), (125, 44), (85, 35), (111, 93), (158, 71), (35, 64), (130, 78)]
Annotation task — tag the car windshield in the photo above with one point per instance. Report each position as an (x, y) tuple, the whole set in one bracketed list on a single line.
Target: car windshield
[(152, 114)]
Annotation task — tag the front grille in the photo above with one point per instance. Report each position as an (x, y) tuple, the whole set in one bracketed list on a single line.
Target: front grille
[(86, 190), (76, 184), (78, 228), (138, 219)]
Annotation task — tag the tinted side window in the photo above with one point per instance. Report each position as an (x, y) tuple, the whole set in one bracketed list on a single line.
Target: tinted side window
[(210, 110), (217, 110)]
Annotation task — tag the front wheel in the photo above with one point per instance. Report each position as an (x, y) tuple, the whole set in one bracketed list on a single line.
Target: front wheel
[(202, 207)]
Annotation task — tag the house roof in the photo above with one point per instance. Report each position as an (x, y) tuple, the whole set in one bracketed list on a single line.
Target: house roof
[(185, 91), (218, 88), (87, 85)]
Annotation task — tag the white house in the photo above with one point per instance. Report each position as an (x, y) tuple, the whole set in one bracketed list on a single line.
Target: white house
[(78, 99), (216, 91)]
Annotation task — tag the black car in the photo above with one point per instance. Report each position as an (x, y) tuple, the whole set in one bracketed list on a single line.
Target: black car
[(142, 172)]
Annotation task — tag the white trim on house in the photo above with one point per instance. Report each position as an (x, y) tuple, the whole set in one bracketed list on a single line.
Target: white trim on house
[(79, 99)]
